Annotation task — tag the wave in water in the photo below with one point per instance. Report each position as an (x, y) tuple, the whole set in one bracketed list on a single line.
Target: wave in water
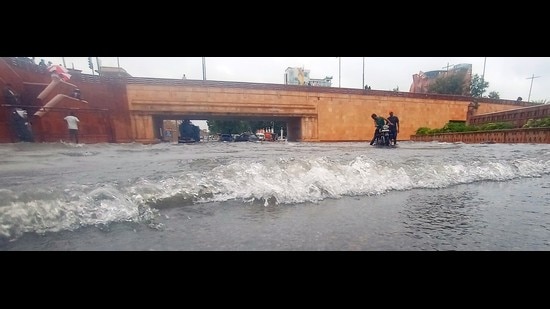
[(266, 182)]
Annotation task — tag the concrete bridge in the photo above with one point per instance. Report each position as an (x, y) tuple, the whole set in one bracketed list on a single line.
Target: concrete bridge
[(313, 114), (121, 108)]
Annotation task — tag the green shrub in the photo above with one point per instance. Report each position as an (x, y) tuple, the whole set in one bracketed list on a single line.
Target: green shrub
[(455, 127), (537, 123), (496, 126), (423, 131)]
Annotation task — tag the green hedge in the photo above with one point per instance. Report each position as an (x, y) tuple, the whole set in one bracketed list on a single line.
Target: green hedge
[(537, 123), (454, 127)]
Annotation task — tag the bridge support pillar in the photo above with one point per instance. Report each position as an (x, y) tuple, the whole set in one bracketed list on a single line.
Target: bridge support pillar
[(303, 129), (143, 129)]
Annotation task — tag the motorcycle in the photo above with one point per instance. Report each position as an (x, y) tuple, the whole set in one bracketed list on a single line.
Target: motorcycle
[(383, 136)]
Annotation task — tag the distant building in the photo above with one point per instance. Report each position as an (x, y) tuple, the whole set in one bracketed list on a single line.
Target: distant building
[(423, 80), (296, 76), (300, 76), (326, 82)]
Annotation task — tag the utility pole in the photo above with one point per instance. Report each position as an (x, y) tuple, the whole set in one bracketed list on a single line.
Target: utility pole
[(339, 72), (531, 78), (483, 75), (203, 68), (448, 66), (363, 86)]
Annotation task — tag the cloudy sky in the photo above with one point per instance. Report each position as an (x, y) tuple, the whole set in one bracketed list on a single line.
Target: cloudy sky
[(509, 76)]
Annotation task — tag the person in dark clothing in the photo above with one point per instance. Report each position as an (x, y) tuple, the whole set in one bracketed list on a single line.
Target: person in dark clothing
[(379, 122), (21, 125), (77, 94), (394, 127)]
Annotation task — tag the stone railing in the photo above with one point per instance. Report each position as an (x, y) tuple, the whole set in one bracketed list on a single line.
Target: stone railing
[(528, 135)]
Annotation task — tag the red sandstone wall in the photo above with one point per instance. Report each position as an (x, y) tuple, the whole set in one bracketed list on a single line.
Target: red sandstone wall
[(346, 117), (16, 73), (518, 117), (105, 117), (323, 114)]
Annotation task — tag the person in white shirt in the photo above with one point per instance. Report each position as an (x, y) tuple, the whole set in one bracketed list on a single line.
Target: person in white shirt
[(72, 123)]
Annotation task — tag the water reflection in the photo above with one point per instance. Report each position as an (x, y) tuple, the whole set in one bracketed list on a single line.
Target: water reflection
[(443, 216)]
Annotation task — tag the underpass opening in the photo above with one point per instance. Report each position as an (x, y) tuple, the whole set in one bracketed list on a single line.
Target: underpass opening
[(167, 127)]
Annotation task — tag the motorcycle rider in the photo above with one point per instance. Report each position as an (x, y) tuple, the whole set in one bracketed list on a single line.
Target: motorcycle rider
[(379, 122)]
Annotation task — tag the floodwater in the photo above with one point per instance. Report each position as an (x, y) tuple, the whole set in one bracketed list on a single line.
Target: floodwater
[(274, 196)]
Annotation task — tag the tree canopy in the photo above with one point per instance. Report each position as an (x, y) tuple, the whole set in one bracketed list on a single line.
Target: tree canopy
[(494, 95), (240, 126), (478, 86), (457, 84)]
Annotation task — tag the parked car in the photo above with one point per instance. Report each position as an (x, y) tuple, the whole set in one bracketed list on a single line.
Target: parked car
[(226, 138), (247, 137)]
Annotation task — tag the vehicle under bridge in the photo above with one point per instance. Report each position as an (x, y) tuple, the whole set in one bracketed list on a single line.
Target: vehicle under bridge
[(166, 125)]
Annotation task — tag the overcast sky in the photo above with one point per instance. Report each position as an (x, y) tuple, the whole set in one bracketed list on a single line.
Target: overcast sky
[(509, 76)]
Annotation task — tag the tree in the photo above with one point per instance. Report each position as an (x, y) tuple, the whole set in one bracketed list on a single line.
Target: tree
[(240, 126), (450, 84), (457, 84), (494, 95), (227, 126), (478, 86)]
